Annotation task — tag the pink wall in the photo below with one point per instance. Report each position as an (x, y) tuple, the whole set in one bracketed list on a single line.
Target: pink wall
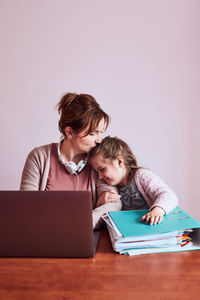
[(140, 59)]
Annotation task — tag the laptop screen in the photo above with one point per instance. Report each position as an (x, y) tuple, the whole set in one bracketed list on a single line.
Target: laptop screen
[(46, 224)]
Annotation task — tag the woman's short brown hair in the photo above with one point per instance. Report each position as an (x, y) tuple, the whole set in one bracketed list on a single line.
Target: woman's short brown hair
[(80, 112)]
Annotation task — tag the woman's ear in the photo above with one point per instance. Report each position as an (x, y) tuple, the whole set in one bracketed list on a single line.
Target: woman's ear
[(120, 160), (69, 132)]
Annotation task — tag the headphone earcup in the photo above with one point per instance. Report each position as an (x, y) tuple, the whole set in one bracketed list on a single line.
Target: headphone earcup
[(70, 168), (81, 165), (73, 168)]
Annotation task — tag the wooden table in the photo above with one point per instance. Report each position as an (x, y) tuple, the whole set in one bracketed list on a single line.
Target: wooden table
[(106, 276)]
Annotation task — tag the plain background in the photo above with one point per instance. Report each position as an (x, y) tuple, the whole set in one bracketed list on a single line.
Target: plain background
[(141, 61)]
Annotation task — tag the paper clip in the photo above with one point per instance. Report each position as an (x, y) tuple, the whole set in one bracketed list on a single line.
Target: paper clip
[(177, 212), (183, 218)]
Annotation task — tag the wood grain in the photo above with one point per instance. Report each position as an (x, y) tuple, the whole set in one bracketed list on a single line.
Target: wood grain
[(106, 276)]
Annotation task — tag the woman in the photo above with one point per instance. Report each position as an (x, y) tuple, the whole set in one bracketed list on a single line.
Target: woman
[(64, 166)]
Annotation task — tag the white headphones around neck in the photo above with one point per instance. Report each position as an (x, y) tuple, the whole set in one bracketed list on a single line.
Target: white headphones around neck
[(71, 166)]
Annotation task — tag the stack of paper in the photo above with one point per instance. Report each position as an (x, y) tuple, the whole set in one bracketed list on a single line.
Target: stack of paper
[(177, 232)]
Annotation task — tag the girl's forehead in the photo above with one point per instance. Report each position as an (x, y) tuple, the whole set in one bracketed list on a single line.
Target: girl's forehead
[(100, 159)]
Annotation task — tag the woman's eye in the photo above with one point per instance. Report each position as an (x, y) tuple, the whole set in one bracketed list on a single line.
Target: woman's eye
[(92, 134)]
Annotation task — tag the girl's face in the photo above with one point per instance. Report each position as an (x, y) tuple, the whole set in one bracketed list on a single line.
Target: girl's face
[(82, 143), (111, 171)]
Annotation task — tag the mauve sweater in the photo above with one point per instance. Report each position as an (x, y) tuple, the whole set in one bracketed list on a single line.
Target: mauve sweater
[(35, 176)]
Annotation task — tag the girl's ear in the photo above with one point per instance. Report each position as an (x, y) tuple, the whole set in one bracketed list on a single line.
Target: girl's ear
[(69, 132), (120, 160)]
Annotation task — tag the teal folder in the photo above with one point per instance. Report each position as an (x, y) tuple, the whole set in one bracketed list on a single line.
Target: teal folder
[(129, 224)]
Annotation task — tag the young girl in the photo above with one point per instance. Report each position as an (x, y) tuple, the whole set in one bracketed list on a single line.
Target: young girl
[(139, 187)]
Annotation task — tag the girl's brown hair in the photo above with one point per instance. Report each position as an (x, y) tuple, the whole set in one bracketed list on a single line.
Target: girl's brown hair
[(111, 147), (80, 112)]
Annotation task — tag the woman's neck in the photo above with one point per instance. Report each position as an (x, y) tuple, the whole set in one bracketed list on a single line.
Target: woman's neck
[(68, 153)]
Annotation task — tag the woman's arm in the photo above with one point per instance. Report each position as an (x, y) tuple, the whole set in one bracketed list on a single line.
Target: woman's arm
[(36, 169), (106, 193), (31, 173), (108, 199), (103, 209)]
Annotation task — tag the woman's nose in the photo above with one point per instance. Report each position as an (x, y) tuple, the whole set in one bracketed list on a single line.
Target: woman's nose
[(100, 176), (98, 139)]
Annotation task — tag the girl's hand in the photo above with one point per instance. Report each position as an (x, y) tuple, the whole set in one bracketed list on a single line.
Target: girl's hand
[(155, 216), (108, 196)]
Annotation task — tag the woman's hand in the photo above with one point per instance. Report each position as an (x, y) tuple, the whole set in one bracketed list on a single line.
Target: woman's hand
[(108, 196), (155, 216)]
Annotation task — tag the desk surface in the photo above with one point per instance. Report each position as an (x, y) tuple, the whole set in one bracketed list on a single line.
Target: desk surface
[(106, 276)]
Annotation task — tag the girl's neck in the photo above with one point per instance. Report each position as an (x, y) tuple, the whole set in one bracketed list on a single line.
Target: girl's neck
[(125, 179)]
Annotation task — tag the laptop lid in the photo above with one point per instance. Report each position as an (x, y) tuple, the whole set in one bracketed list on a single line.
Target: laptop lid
[(46, 224)]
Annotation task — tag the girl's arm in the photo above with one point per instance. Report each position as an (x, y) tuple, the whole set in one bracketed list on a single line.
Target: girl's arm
[(158, 195), (155, 216)]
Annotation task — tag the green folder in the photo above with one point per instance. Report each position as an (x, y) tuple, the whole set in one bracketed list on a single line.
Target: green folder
[(129, 224)]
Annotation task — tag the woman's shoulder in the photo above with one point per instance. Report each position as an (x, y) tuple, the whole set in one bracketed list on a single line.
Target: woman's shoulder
[(41, 151)]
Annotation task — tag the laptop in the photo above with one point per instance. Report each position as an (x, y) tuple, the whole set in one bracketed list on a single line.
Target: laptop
[(46, 224)]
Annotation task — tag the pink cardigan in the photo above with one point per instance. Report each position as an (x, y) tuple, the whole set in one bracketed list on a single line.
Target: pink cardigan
[(155, 191)]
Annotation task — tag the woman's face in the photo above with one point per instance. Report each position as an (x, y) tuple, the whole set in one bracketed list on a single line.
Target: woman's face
[(84, 143)]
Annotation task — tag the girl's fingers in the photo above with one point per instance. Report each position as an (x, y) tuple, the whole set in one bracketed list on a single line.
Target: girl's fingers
[(151, 219), (143, 218), (155, 220), (112, 191), (112, 196), (148, 219)]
